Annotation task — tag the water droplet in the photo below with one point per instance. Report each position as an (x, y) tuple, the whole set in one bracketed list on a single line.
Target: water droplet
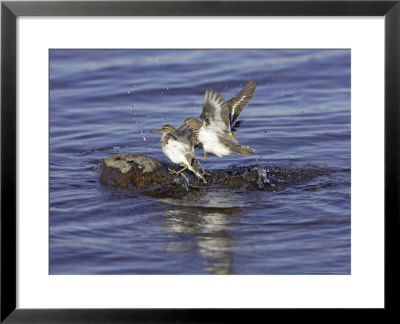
[(129, 91), (144, 137)]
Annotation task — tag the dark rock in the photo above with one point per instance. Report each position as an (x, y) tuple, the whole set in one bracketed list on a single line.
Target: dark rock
[(143, 173), (140, 172)]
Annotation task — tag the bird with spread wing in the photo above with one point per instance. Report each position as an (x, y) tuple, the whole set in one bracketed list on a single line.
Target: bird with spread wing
[(214, 131)]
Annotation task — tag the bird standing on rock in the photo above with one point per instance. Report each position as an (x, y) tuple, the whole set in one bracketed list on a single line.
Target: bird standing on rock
[(178, 146), (215, 131)]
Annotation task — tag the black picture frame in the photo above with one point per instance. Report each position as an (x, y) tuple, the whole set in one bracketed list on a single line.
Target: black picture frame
[(10, 10)]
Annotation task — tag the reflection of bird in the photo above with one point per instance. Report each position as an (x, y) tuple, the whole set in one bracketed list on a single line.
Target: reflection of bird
[(216, 244), (178, 147), (218, 122)]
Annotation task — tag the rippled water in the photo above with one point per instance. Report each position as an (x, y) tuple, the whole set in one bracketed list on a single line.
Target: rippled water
[(104, 102)]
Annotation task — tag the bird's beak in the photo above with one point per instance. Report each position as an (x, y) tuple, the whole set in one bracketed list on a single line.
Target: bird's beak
[(183, 126), (156, 131)]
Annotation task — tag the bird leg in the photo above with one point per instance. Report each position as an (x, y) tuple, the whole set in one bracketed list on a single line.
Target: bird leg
[(202, 170), (177, 172), (202, 158)]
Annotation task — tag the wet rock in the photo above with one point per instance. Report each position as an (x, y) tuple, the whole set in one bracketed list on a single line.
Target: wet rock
[(150, 176), (140, 172)]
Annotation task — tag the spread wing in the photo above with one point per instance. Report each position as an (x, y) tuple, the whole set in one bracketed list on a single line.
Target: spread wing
[(215, 111), (241, 100)]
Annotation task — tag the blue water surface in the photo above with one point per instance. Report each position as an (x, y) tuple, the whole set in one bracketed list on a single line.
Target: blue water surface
[(104, 102)]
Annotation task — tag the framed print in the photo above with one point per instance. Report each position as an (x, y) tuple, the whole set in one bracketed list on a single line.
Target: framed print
[(191, 160)]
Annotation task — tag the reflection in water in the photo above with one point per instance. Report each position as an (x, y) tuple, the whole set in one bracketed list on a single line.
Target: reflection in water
[(204, 231)]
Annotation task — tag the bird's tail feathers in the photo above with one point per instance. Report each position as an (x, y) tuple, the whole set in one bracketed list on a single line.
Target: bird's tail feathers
[(245, 150)]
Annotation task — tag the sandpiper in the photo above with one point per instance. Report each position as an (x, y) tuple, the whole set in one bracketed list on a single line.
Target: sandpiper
[(218, 122), (178, 146)]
